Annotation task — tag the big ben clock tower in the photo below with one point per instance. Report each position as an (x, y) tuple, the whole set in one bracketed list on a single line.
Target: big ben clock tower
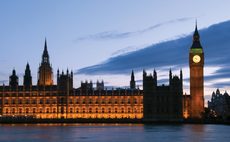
[(196, 65)]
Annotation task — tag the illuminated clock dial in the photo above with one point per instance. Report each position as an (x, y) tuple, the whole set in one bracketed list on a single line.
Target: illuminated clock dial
[(196, 59)]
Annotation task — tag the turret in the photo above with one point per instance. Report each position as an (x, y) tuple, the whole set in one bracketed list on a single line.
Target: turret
[(144, 74), (181, 78), (13, 79), (170, 76), (132, 81), (27, 82), (155, 77), (45, 55), (100, 85), (65, 81)]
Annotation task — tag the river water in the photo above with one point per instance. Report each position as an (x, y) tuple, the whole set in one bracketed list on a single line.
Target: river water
[(113, 133)]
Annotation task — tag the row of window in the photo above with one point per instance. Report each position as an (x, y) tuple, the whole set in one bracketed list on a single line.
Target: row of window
[(54, 101), (28, 94), (77, 110)]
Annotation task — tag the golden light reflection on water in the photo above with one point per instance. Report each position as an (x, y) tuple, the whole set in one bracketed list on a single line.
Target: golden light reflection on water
[(105, 132)]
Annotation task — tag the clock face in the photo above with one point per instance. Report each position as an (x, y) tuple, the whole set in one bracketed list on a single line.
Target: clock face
[(196, 59)]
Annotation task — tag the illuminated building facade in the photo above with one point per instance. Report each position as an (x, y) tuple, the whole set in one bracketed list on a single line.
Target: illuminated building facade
[(62, 100), (46, 100)]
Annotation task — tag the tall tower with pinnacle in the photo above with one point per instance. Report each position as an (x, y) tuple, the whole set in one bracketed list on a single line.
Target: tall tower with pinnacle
[(196, 66), (45, 72)]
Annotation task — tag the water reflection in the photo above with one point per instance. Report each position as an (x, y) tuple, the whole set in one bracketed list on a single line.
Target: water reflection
[(112, 133)]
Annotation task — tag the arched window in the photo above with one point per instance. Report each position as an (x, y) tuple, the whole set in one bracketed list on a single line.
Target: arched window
[(13, 101), (20, 101), (90, 110), (54, 110), (71, 110), (27, 110), (40, 110), (129, 110), (7, 110), (6, 101), (47, 101), (47, 110), (90, 101), (34, 101), (122, 110), (128, 101), (70, 101), (20, 110), (135, 101), (41, 101), (13, 110), (115, 110), (34, 110), (83, 101)]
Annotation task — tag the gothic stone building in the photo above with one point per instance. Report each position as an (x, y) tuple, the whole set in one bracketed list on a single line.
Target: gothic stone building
[(62, 100), (220, 104), (162, 103)]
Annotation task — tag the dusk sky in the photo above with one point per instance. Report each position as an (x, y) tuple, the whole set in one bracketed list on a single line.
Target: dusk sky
[(87, 36)]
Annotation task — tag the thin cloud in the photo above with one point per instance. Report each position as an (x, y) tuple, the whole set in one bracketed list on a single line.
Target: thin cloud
[(127, 50), (107, 35), (174, 53)]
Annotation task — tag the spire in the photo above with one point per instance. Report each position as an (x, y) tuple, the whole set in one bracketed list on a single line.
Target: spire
[(144, 73), (27, 67), (45, 48), (196, 35), (155, 74), (27, 76), (14, 72), (170, 74), (181, 78), (132, 81), (196, 38), (27, 71), (132, 76), (67, 71), (45, 55)]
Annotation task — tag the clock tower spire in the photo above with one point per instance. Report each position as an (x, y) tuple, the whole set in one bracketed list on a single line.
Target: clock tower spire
[(196, 66)]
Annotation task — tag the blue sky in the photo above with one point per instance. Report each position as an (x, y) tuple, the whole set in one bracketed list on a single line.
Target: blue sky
[(83, 33)]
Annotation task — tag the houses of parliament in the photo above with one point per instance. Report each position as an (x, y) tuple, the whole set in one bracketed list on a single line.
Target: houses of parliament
[(47, 100)]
